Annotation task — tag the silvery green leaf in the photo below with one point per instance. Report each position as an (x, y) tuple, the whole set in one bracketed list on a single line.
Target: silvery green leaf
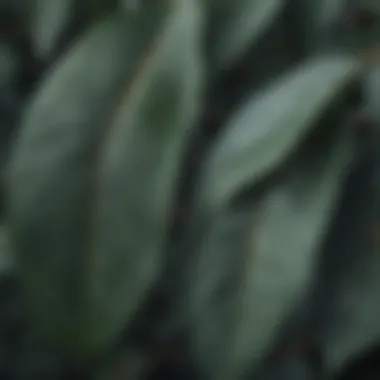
[(268, 126), (86, 229), (235, 25), (254, 264), (142, 154)]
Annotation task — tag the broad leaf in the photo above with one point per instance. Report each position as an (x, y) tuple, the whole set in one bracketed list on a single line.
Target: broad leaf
[(349, 281), (93, 171), (266, 129), (254, 264)]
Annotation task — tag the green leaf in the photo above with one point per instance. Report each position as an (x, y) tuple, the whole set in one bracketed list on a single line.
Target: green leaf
[(267, 127), (53, 21), (49, 19), (236, 25), (349, 282), (255, 262), (94, 169)]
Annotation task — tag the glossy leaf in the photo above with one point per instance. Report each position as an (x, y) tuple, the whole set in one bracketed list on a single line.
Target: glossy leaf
[(254, 264), (265, 130), (236, 25), (92, 173)]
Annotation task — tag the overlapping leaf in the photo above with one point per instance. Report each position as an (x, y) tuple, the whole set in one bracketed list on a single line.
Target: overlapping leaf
[(349, 281), (235, 25), (242, 288), (253, 265), (90, 184), (263, 133)]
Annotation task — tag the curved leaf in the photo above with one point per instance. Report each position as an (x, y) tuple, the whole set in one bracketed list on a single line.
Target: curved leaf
[(253, 266), (90, 184), (235, 25), (140, 169), (263, 133)]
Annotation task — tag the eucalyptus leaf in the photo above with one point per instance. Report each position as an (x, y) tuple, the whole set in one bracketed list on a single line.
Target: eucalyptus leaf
[(268, 126), (254, 265), (235, 25), (87, 250)]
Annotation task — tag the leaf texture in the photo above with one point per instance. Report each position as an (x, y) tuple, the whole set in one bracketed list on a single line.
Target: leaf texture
[(90, 183), (266, 129), (253, 265)]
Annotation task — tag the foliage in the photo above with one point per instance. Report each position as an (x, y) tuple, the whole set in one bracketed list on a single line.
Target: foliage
[(115, 137)]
